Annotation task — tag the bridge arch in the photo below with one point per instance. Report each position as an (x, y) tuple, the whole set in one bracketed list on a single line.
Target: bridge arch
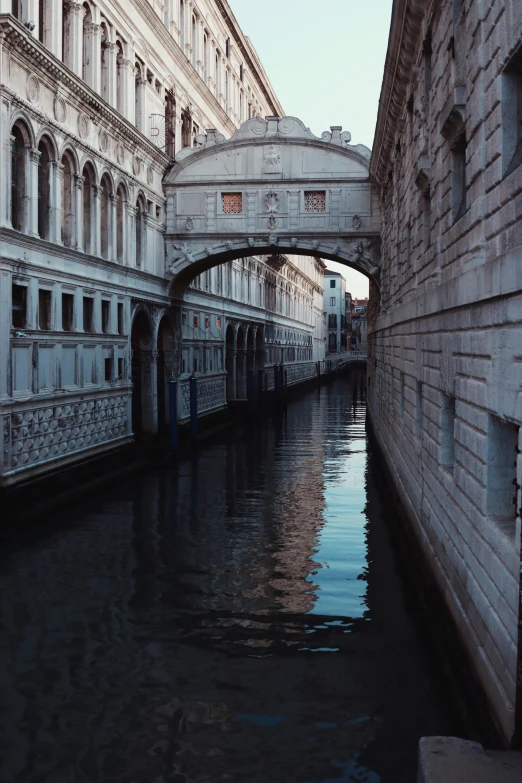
[(273, 189)]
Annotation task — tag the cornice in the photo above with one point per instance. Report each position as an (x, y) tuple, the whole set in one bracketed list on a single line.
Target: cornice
[(15, 241), (22, 42), (405, 32)]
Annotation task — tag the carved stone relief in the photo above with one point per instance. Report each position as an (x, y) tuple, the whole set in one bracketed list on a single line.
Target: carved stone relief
[(60, 109), (84, 126), (33, 89)]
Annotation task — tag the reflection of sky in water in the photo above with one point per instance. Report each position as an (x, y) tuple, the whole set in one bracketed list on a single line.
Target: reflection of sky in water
[(341, 553)]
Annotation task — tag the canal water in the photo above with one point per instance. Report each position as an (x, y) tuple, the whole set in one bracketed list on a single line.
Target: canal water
[(239, 617)]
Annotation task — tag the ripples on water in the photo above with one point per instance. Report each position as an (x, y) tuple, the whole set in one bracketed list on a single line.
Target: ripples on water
[(236, 618)]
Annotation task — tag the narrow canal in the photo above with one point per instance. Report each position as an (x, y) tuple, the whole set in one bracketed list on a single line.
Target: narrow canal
[(241, 617)]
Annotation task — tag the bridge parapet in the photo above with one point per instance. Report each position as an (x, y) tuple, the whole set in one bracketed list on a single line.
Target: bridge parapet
[(273, 188)]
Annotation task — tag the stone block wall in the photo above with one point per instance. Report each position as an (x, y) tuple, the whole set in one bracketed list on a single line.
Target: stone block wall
[(445, 379)]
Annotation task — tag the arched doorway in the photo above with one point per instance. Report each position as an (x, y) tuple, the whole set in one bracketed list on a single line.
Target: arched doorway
[(165, 369), (144, 404), (230, 362)]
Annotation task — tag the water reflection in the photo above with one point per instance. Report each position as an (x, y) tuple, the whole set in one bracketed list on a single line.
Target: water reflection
[(238, 617)]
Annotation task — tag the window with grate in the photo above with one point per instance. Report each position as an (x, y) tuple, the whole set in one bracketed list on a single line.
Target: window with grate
[(232, 203), (315, 201)]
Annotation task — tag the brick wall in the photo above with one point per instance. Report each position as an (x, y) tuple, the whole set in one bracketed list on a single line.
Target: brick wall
[(445, 375)]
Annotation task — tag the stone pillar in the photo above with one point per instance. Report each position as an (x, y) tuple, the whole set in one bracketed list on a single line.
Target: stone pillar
[(149, 391), (5, 154), (113, 255), (130, 235), (188, 30), (79, 182), (111, 54), (54, 28), (31, 214), (241, 374), (174, 18), (55, 201), (96, 219), (31, 13), (93, 36), (232, 385), (140, 100), (74, 36)]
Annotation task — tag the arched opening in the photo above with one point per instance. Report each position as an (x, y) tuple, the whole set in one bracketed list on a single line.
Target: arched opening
[(15, 8), (165, 369), (68, 202), (121, 200), (140, 231), (44, 188), (106, 217), (241, 364), (230, 363), (88, 208), (186, 128), (143, 402), (170, 123), (182, 25), (20, 143)]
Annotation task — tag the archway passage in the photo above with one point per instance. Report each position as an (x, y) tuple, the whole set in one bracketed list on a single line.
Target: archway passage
[(230, 362), (273, 188)]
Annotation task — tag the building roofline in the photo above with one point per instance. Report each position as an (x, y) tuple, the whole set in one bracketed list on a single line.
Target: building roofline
[(405, 32)]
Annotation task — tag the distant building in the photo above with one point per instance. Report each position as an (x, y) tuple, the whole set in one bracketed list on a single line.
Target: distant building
[(348, 309), (335, 309)]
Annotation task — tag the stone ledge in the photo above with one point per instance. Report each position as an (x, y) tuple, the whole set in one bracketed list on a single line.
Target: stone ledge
[(452, 760)]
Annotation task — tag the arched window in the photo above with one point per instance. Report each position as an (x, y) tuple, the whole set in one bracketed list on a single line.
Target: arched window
[(68, 201), (121, 199), (120, 81), (105, 214), (205, 56), (216, 76), (186, 128), (15, 8), (20, 142), (140, 231), (88, 209), (44, 188)]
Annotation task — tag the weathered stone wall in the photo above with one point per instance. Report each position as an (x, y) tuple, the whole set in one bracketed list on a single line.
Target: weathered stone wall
[(445, 378)]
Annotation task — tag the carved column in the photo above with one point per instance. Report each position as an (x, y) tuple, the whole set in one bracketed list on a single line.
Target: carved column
[(113, 254), (32, 193), (75, 13), (140, 101), (111, 76), (130, 235), (96, 219), (54, 26), (79, 182), (200, 64), (129, 90), (55, 199), (188, 30), (93, 36)]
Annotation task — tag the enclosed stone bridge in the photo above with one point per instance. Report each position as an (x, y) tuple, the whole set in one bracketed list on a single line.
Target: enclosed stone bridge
[(272, 189)]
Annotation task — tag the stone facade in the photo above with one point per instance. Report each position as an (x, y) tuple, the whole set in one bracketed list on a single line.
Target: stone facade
[(96, 99), (446, 336)]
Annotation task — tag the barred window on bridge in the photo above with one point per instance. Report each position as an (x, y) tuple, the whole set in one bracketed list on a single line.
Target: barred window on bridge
[(232, 203), (315, 201)]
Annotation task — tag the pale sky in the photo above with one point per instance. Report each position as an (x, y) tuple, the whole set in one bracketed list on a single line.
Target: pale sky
[(325, 61)]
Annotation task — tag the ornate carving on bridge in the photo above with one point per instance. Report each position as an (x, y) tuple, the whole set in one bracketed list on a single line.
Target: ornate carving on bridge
[(276, 261)]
